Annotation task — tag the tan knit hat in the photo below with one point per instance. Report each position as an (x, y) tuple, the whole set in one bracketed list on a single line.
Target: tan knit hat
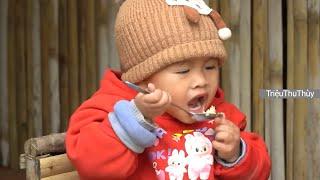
[(150, 35)]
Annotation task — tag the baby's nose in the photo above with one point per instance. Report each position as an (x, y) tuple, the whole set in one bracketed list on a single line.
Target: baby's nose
[(199, 80)]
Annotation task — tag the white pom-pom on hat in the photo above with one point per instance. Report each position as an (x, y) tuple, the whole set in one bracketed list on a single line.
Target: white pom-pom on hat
[(224, 33)]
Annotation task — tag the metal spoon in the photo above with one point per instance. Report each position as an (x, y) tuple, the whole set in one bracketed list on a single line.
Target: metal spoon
[(196, 116)]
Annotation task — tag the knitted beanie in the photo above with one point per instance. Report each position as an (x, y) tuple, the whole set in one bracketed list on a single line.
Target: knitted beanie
[(151, 34)]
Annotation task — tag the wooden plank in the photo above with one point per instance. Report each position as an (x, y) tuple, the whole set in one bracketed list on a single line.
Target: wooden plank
[(290, 85), (276, 82), (53, 63), (259, 44), (63, 65), (44, 25), (12, 86), (36, 70), (314, 83), (300, 82), (73, 55), (65, 176), (245, 56), (54, 165), (4, 136)]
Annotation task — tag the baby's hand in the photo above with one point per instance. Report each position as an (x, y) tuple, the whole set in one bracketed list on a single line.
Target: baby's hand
[(153, 104), (227, 140)]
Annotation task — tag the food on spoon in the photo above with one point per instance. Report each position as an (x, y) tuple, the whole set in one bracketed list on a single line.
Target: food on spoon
[(211, 110)]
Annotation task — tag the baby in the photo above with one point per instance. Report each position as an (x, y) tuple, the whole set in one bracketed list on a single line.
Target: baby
[(175, 53)]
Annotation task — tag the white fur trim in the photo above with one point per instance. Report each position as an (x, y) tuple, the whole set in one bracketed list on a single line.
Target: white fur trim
[(198, 5)]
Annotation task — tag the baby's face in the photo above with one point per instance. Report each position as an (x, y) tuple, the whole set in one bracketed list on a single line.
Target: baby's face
[(192, 85)]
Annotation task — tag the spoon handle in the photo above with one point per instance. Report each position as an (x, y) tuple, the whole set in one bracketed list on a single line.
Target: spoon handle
[(139, 89)]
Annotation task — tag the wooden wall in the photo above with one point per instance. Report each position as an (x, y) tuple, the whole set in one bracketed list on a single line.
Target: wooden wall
[(53, 53)]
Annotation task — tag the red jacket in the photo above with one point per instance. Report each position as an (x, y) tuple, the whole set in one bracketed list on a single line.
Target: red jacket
[(97, 152)]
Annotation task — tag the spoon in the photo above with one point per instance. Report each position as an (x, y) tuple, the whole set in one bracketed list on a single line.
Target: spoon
[(197, 116)]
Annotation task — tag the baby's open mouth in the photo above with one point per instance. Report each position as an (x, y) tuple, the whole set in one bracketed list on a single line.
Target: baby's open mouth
[(197, 104)]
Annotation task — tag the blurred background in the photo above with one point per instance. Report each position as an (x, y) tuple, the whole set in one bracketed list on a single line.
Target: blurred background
[(54, 52)]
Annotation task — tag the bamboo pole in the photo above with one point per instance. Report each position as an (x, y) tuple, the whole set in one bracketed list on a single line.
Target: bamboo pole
[(36, 70), (53, 65), (259, 44), (29, 60), (267, 102), (112, 52), (314, 83), (12, 86), (290, 85), (276, 82), (53, 143), (54, 165), (73, 50), (231, 78), (4, 136), (106, 49), (245, 56), (63, 65), (20, 51), (214, 4), (226, 76), (102, 33), (91, 60), (88, 61), (300, 82), (82, 49), (44, 25)]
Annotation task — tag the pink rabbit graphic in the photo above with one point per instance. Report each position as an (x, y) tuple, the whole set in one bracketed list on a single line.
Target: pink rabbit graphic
[(176, 165), (200, 159)]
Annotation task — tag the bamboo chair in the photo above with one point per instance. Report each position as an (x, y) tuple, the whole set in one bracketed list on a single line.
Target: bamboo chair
[(45, 158)]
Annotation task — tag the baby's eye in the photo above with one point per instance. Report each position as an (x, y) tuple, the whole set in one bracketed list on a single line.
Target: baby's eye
[(211, 67), (183, 71)]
